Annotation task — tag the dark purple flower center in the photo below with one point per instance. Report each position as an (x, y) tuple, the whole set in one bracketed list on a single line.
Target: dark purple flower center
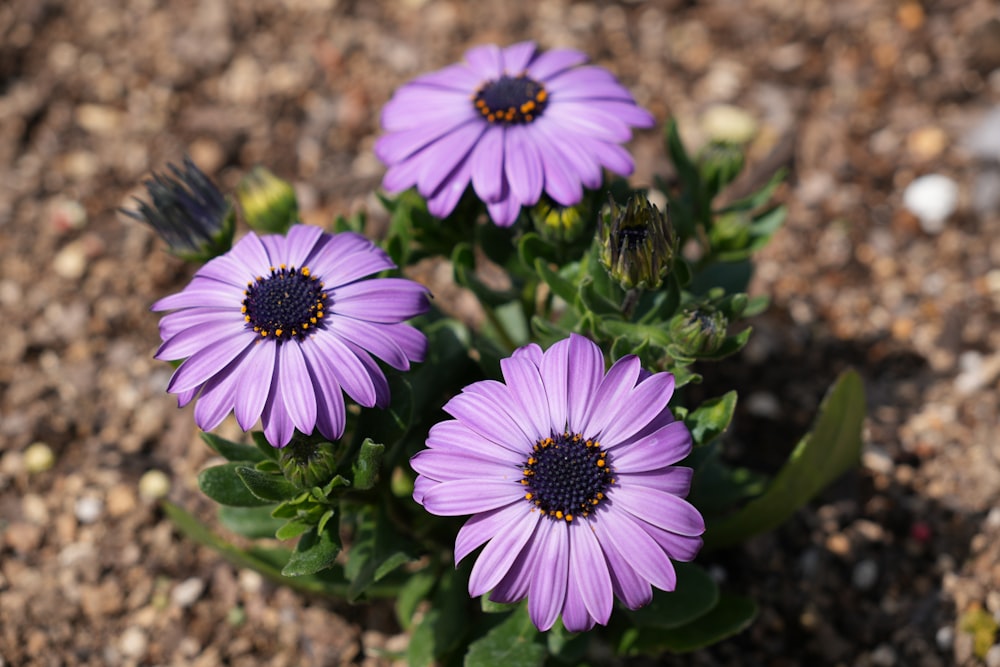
[(289, 303), (510, 100), (567, 476)]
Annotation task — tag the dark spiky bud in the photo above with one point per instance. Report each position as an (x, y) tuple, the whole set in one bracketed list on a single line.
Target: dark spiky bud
[(698, 332), (188, 212), (638, 244)]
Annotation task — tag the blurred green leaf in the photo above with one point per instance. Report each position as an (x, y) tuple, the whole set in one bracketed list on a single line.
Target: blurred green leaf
[(444, 626), (293, 529), (695, 595), (559, 285), (759, 198), (252, 522), (264, 446), (417, 587), (315, 551), (731, 615), (717, 487), (830, 449), (232, 451), (512, 643), (367, 465), (223, 485), (376, 550), (711, 418)]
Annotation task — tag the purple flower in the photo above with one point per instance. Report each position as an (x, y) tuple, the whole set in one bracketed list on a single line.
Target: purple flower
[(278, 326), (514, 122), (568, 473)]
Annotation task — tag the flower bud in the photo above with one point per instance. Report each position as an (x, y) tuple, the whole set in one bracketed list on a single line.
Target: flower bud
[(188, 212), (268, 202), (557, 223), (698, 332), (307, 464), (719, 163), (638, 244)]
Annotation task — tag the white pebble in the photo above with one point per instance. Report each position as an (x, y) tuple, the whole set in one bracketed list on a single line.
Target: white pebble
[(884, 656), (877, 460), (945, 637), (993, 656), (764, 404), (865, 574), (187, 592), (133, 642), (932, 198), (88, 509), (71, 262)]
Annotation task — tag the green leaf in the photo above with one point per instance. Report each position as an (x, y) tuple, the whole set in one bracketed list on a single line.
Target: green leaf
[(315, 551), (416, 588), (759, 198), (512, 643), (443, 628), (252, 522), (292, 529), (377, 550), (264, 446), (232, 451), (272, 488), (223, 485), (731, 615), (560, 286), (830, 449), (533, 248), (695, 595), (712, 418), (366, 467)]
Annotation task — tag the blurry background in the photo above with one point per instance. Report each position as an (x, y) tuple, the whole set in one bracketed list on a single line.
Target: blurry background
[(857, 97)]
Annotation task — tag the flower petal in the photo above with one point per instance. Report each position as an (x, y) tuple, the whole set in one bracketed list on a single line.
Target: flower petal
[(346, 367), (189, 341), (299, 243), (487, 164), (585, 369), (555, 369), (624, 534), (524, 381), (517, 56), (647, 400), (500, 553), (657, 450), (658, 508), (258, 382), (330, 411), (447, 465), (454, 436), (590, 572), (470, 496), (485, 61), (611, 394), (674, 480), (549, 63), (548, 587), (208, 361), (388, 300), (295, 385), (523, 166), (485, 525)]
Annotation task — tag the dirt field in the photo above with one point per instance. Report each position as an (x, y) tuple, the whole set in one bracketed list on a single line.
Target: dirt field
[(856, 97)]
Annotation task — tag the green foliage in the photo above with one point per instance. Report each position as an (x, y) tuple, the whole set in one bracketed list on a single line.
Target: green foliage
[(832, 447), (514, 642)]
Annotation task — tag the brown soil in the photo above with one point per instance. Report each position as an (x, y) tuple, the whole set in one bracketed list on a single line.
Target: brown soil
[(857, 97)]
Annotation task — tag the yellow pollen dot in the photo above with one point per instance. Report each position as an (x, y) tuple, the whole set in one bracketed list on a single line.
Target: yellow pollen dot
[(283, 267), (542, 95), (559, 514), (569, 517), (247, 318), (305, 270), (312, 320), (278, 332), (243, 309), (528, 496), (263, 333), (600, 463), (305, 325)]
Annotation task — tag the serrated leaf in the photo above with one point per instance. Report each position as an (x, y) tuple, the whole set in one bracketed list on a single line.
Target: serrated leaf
[(512, 643), (223, 485), (232, 451), (315, 551), (831, 448), (266, 486), (252, 522), (711, 418), (696, 594)]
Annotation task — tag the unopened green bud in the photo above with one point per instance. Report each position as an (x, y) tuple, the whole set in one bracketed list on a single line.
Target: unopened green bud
[(307, 464), (698, 332), (560, 223), (188, 212), (719, 163), (268, 202), (638, 244)]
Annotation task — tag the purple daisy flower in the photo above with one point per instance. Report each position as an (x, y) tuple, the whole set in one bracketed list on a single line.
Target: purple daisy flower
[(514, 122), (278, 326), (568, 473)]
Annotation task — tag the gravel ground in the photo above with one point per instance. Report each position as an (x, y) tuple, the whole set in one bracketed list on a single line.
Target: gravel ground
[(856, 97)]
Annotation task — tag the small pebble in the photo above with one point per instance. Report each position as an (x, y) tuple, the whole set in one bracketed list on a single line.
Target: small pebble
[(38, 457), (88, 509), (945, 637), (187, 592), (993, 656), (764, 404), (133, 642), (71, 262), (932, 198), (884, 656), (877, 460), (865, 574), (725, 122), (153, 485)]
